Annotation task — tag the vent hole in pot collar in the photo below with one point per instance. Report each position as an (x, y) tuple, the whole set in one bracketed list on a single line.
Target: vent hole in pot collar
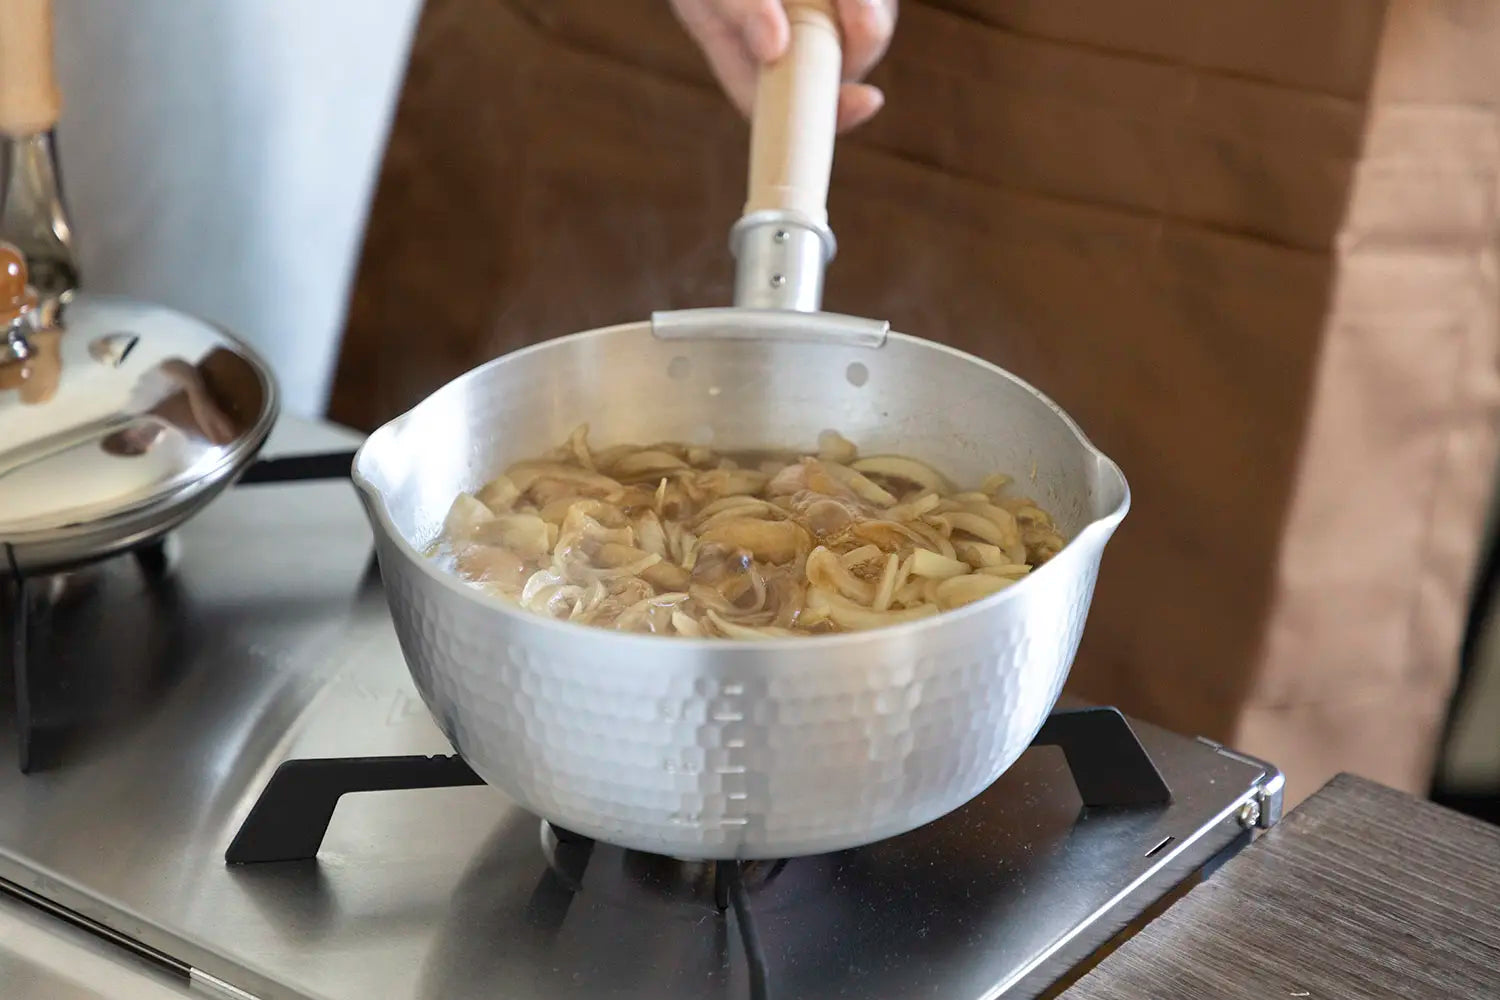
[(857, 374), (679, 368)]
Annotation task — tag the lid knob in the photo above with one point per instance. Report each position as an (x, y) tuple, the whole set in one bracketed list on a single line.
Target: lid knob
[(16, 295)]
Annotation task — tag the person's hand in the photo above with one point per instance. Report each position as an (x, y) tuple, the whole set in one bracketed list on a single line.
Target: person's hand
[(739, 36)]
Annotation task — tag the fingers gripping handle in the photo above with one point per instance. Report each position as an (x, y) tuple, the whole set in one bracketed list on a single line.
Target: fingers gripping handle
[(29, 99), (782, 241)]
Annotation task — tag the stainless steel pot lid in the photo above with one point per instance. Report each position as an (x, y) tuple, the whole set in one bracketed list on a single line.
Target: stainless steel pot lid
[(119, 408)]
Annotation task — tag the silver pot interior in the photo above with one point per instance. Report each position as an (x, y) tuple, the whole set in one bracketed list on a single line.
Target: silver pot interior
[(908, 396)]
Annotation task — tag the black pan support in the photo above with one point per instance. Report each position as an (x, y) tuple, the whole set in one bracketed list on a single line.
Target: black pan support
[(288, 822), (1110, 768), (28, 608)]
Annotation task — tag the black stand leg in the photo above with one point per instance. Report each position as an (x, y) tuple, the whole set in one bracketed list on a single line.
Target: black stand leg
[(293, 813), (20, 648), (372, 570), (1109, 765), (729, 891), (152, 559), (299, 468)]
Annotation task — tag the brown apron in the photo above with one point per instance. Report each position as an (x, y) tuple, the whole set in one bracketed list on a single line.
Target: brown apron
[(1249, 244)]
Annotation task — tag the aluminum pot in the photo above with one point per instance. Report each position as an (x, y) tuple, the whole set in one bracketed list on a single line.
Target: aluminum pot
[(737, 749)]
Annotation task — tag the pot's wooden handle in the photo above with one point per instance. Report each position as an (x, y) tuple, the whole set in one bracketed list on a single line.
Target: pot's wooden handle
[(796, 111), (29, 99)]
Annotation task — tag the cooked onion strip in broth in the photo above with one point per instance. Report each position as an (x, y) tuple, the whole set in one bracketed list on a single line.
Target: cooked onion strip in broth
[(677, 539)]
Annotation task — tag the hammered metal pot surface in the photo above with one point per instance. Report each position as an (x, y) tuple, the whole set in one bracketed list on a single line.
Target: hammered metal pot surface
[(718, 748)]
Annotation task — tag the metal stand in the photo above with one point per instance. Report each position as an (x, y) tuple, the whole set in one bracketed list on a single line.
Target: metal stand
[(29, 607), (29, 620)]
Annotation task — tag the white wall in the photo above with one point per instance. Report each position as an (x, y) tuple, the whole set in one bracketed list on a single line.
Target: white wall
[(219, 157)]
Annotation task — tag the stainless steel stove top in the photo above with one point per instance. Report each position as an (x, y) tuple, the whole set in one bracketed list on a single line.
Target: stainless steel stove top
[(272, 642)]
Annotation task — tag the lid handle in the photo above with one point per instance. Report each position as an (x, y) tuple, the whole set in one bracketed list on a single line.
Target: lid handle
[(29, 98), (17, 299)]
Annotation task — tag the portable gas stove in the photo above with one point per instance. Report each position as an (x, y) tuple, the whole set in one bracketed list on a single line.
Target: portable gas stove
[(251, 682)]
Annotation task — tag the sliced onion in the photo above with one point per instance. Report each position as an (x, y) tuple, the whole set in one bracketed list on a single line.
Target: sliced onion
[(895, 572), (578, 443), (499, 494), (650, 535), (788, 596), (791, 479), (961, 590), (979, 526), (910, 510), (734, 630), (994, 483), (1042, 545), (824, 570), (524, 534), (768, 541), (887, 535), (589, 602), (616, 561), (645, 463), (732, 503), (754, 548), (496, 567), (757, 510), (860, 485), (539, 581), (606, 514), (861, 555), (934, 538), (665, 576), (605, 457), (979, 553), (1007, 571), (710, 598), (685, 625), (731, 482), (690, 547), (846, 614), (1030, 513), (654, 612), (526, 474), (925, 562), (466, 515), (660, 498), (579, 528), (908, 469), (911, 592), (834, 447), (1002, 518)]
